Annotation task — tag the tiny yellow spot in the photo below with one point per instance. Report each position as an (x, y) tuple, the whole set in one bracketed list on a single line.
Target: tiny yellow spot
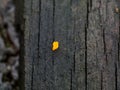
[(55, 45)]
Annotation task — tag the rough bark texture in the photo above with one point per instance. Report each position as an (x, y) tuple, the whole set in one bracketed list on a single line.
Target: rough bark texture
[(88, 56)]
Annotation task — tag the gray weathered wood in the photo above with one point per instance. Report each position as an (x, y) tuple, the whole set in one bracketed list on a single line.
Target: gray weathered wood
[(88, 55), (102, 45)]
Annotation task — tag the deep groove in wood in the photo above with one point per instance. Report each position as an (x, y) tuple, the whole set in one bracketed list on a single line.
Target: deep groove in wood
[(101, 80), (90, 4), (86, 28), (54, 19), (71, 81), (104, 42), (74, 60), (38, 56), (39, 29), (119, 41), (32, 74), (103, 31), (33, 57), (116, 77), (102, 28), (74, 28), (53, 29)]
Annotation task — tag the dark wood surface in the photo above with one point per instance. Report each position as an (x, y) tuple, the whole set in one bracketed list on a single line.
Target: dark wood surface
[(88, 55)]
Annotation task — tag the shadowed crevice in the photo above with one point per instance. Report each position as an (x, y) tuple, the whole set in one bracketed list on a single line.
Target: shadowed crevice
[(54, 5), (71, 80), (104, 43), (101, 80), (74, 62), (32, 71), (116, 76), (86, 28)]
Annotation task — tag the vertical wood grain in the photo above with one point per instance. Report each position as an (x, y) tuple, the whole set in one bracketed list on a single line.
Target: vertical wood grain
[(88, 55)]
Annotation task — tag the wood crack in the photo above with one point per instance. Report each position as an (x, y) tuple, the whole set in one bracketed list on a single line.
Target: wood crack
[(53, 29), (74, 62), (104, 42), (33, 57), (39, 29), (101, 80), (71, 81), (116, 77), (119, 40), (90, 4), (32, 74), (54, 5), (74, 28), (103, 33), (86, 28)]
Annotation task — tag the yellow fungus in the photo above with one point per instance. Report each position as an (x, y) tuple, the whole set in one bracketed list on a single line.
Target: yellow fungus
[(55, 45)]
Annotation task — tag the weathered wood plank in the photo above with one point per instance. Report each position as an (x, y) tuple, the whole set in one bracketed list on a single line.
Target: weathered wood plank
[(88, 56), (64, 33), (31, 40), (28, 60), (111, 34), (94, 46), (61, 62), (102, 45), (79, 13), (44, 78), (45, 22)]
